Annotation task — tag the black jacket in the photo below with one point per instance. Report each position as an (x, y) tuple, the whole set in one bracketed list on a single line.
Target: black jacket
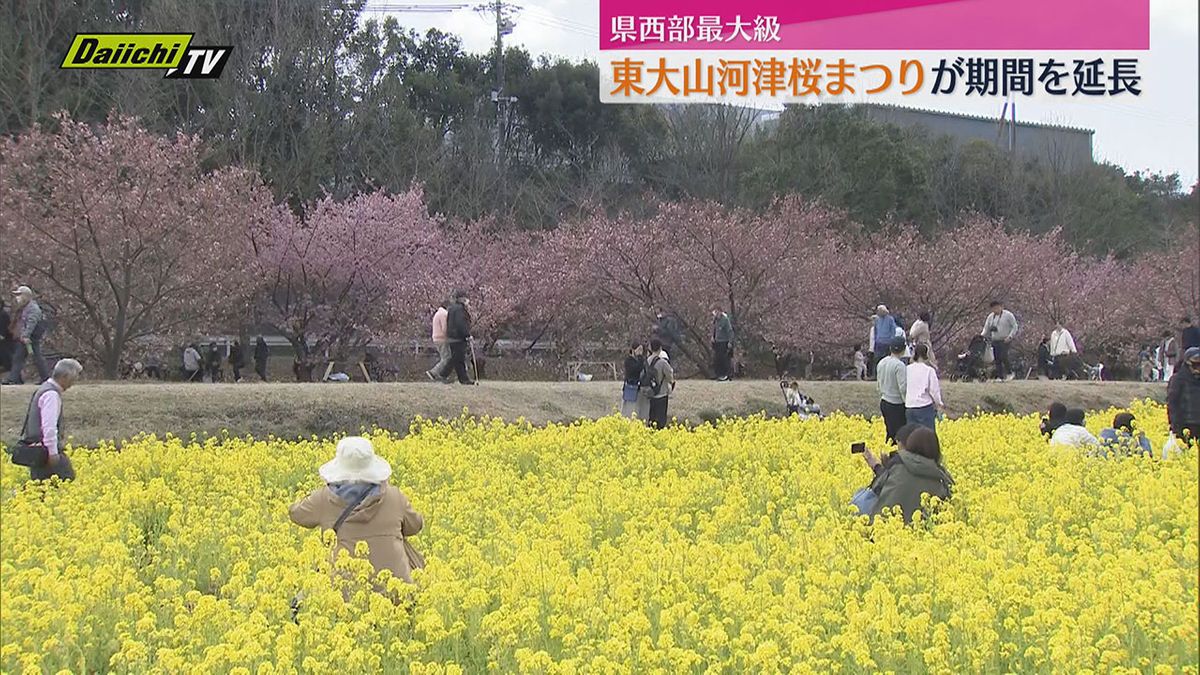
[(666, 329), (1183, 399), (1049, 424), (1044, 354), (634, 365), (1189, 338), (458, 322), (261, 352)]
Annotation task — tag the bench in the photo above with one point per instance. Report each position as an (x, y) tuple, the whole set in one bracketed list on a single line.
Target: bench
[(574, 368)]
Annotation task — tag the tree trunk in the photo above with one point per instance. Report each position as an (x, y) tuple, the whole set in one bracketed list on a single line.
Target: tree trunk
[(112, 362)]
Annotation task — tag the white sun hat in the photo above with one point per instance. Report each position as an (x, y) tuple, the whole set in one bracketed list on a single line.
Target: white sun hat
[(356, 462)]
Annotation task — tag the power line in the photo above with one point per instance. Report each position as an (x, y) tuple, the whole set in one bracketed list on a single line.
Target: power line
[(543, 12), (420, 8), (562, 26)]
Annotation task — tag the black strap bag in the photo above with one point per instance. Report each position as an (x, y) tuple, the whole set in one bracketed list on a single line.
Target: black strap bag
[(28, 454)]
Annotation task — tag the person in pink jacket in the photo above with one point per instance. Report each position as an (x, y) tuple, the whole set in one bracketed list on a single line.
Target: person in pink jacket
[(440, 342)]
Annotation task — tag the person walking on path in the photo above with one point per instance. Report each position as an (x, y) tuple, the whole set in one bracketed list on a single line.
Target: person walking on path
[(1063, 353), (214, 363), (359, 505), (235, 360), (261, 353), (1062, 342), (29, 327), (659, 383), (1183, 399), (458, 333), (919, 334), (43, 421), (6, 338), (883, 334), (860, 363), (666, 330), (1045, 363), (721, 341), (1189, 336), (1000, 327), (892, 379), (906, 357), (440, 342), (1166, 356), (632, 395), (923, 392), (192, 367)]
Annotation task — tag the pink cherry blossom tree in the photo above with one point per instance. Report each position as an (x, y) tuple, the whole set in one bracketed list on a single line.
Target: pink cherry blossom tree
[(611, 272), (1170, 281), (345, 273), (494, 264), (124, 232)]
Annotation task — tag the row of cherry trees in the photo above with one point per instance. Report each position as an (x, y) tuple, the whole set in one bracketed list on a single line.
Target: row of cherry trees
[(799, 277), (130, 236)]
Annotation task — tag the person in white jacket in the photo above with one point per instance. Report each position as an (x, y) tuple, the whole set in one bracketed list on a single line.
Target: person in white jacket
[(1073, 433), (1064, 357), (1061, 341)]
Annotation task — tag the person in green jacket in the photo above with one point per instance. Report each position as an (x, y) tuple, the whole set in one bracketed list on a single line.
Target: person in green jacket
[(915, 471)]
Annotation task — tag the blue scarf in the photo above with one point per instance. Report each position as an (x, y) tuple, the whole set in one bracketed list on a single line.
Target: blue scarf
[(349, 492)]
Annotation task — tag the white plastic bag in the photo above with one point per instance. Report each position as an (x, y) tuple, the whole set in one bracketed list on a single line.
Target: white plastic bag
[(1171, 447)]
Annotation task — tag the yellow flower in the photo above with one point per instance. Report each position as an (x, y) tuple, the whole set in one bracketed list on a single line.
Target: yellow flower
[(600, 546)]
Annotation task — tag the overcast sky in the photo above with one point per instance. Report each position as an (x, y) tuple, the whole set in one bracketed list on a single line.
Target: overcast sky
[(1155, 131)]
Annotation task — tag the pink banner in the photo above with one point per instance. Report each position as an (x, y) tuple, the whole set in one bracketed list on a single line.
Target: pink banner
[(874, 24)]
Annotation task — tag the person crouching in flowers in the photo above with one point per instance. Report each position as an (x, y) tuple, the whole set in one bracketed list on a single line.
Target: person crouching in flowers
[(1057, 417), (866, 498), (1121, 439), (1072, 432), (359, 505), (916, 470)]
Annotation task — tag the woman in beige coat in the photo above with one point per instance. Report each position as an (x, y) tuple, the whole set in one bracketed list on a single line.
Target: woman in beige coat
[(919, 335), (375, 512)]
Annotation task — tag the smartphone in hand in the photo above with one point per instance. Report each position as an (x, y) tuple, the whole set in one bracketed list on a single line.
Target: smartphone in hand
[(858, 448)]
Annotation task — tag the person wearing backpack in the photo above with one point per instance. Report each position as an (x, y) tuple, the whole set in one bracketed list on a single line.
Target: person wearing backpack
[(29, 329), (659, 380)]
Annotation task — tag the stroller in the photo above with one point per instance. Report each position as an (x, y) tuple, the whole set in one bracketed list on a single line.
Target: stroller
[(974, 362), (797, 403)]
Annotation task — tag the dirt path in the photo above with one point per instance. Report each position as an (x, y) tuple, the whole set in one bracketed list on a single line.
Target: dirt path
[(115, 411)]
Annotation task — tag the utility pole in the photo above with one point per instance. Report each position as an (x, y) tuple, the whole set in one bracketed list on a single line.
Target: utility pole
[(504, 26), (498, 8)]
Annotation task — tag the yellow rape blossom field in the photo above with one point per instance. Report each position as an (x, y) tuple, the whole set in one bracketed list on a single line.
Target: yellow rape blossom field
[(604, 547)]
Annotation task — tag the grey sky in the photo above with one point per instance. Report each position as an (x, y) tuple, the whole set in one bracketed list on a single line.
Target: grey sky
[(1157, 130)]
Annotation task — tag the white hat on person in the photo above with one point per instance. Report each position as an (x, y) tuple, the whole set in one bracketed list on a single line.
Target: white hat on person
[(355, 461), (22, 290)]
